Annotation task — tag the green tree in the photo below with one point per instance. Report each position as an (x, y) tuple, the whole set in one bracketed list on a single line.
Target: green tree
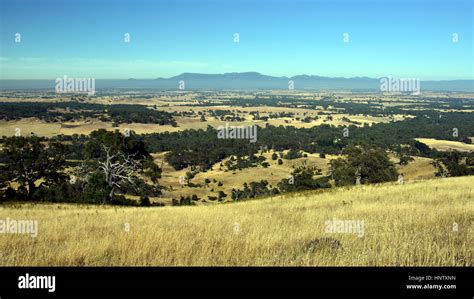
[(293, 154), (454, 164), (3, 185), (28, 160), (369, 163), (302, 178)]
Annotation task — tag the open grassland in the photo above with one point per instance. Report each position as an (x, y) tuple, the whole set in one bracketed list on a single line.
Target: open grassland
[(428, 223), (420, 168), (27, 126), (447, 145)]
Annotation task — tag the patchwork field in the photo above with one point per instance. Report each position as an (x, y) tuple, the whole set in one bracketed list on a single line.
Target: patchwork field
[(187, 114), (425, 223), (42, 128)]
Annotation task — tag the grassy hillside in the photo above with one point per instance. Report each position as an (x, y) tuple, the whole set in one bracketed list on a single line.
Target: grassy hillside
[(419, 168), (411, 224)]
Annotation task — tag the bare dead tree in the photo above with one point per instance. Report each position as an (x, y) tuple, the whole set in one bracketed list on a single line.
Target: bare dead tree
[(118, 170)]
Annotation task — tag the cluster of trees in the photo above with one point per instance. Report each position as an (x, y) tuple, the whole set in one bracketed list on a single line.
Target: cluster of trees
[(364, 164), (303, 178), (202, 147), (293, 154), (256, 115), (113, 165), (253, 190), (454, 164), (240, 163), (225, 115), (185, 200), (28, 160)]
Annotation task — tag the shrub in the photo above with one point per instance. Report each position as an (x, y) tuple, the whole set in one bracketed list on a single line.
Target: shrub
[(145, 201), (221, 195), (293, 154), (303, 179)]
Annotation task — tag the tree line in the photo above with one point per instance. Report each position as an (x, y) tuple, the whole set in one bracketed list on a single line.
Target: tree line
[(72, 111)]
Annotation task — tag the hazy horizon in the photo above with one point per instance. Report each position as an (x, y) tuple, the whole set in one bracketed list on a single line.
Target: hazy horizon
[(232, 72), (429, 40)]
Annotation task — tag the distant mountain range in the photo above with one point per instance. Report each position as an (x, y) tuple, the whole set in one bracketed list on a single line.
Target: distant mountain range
[(245, 81)]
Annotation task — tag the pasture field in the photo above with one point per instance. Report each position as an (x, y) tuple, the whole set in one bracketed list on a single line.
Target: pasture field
[(447, 145)]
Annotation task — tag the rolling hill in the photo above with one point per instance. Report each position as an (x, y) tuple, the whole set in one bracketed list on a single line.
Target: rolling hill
[(422, 223)]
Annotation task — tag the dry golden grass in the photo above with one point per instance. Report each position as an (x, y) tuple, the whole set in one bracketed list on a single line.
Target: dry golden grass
[(420, 168), (409, 225), (28, 126), (447, 145)]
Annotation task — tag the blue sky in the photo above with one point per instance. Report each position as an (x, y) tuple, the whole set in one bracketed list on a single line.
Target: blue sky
[(280, 37)]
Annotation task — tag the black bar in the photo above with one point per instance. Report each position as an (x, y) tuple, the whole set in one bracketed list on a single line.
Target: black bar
[(218, 282)]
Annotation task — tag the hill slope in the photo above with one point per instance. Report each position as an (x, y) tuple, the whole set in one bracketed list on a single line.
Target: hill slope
[(421, 223)]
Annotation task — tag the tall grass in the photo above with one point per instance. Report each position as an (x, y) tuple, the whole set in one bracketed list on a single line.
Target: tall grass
[(407, 225)]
